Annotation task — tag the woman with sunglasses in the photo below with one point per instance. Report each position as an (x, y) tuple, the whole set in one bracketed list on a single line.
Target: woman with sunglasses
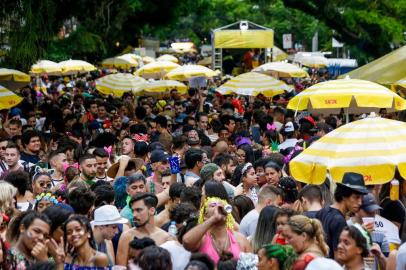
[(214, 235), (41, 182)]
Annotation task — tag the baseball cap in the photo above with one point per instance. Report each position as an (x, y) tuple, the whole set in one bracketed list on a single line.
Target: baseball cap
[(369, 203), (289, 127), (107, 215), (158, 156)]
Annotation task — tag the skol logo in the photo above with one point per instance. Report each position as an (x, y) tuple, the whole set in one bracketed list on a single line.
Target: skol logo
[(330, 101), (367, 178)]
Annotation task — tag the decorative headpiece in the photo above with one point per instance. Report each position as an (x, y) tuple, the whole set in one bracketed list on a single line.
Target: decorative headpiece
[(46, 197), (203, 209), (289, 156), (40, 170), (271, 127), (66, 166)]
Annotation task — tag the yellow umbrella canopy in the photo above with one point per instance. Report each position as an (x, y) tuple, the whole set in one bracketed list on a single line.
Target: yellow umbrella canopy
[(184, 73), (119, 83), (401, 82), (70, 67), (387, 69), (168, 57), (164, 87), (207, 61), (13, 79), (374, 147), (253, 84), (278, 54), (156, 69), (148, 59), (124, 61), (8, 99), (358, 96), (46, 67), (281, 69)]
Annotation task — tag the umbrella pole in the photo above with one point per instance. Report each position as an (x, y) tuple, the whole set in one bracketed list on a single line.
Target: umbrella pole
[(347, 116), (297, 107)]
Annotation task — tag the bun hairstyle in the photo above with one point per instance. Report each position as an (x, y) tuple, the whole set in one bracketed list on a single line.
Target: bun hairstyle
[(312, 228)]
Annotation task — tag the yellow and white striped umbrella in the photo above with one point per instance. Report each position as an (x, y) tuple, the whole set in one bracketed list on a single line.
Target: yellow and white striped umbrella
[(184, 73), (124, 61), (156, 70), (164, 87), (46, 67), (148, 59), (70, 67), (13, 79), (8, 99), (253, 84), (168, 57), (358, 96), (281, 69), (118, 84), (373, 147)]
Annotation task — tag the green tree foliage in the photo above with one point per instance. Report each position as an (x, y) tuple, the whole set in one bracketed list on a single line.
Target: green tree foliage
[(373, 27)]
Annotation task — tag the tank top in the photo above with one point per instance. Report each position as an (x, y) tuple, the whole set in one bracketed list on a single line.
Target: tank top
[(208, 248)]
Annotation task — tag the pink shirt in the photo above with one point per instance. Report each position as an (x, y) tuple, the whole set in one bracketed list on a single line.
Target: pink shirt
[(208, 248)]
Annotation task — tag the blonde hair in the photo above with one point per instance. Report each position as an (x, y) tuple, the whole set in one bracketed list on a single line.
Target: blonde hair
[(310, 226), (7, 193)]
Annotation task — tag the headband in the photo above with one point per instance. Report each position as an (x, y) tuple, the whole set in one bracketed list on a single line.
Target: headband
[(38, 170), (245, 168)]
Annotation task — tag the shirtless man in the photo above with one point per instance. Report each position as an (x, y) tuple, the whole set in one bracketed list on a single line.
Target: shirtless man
[(143, 206)]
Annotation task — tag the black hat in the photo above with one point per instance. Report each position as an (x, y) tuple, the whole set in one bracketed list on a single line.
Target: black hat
[(354, 181), (159, 155)]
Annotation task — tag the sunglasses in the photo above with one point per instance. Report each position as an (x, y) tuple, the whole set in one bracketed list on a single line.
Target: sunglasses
[(45, 185)]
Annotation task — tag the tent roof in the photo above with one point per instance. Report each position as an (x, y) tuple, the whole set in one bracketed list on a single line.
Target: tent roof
[(388, 69), (236, 26)]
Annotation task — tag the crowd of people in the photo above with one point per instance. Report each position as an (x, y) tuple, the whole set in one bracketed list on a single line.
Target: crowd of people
[(195, 181)]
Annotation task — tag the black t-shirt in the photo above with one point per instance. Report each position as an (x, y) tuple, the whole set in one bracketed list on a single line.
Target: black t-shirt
[(310, 214), (34, 159), (333, 222)]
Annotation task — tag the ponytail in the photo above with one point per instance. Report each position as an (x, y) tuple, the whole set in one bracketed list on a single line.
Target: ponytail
[(312, 227), (319, 236)]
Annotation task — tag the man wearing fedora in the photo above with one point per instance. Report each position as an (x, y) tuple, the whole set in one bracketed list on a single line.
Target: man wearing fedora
[(105, 226), (348, 199)]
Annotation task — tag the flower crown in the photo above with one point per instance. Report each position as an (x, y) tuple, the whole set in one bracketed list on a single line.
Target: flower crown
[(46, 197)]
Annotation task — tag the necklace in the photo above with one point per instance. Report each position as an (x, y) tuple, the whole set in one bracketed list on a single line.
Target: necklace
[(217, 246)]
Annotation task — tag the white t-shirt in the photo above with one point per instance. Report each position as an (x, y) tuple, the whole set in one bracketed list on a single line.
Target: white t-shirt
[(179, 255), (249, 222)]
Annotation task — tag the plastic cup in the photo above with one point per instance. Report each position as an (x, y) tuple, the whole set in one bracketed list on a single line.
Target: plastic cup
[(367, 220)]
